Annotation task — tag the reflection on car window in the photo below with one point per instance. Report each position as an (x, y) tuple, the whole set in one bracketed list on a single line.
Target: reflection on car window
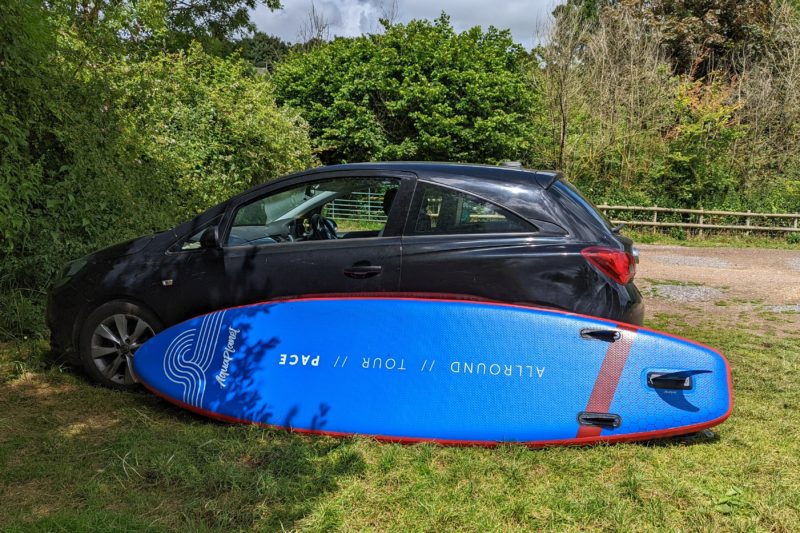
[(340, 208), (583, 202), (448, 212), (193, 242)]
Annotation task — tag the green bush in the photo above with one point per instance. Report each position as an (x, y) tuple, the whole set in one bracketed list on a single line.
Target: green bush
[(420, 91), (697, 169), (98, 147), (209, 126)]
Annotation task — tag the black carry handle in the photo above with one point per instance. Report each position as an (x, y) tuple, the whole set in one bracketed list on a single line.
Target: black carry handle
[(603, 420), (362, 272), (606, 335)]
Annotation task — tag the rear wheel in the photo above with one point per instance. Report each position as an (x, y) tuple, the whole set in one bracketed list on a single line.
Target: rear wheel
[(110, 336)]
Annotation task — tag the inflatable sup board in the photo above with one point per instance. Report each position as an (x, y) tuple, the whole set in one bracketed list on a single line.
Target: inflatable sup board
[(450, 371)]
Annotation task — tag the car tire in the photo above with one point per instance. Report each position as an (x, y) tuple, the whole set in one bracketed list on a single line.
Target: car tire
[(110, 334)]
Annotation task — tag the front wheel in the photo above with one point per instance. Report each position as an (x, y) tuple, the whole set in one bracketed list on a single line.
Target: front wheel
[(110, 335)]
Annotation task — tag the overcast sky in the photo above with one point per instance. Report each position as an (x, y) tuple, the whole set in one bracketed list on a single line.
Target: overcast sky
[(354, 17)]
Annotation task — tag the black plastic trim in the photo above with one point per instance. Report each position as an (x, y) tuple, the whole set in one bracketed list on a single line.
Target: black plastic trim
[(603, 420)]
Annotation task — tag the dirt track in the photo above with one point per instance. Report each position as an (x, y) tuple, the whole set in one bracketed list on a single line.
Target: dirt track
[(720, 282)]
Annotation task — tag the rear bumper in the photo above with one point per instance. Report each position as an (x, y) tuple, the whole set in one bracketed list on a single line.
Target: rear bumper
[(633, 312)]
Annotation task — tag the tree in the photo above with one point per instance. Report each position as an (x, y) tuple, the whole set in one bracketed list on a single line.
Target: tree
[(588, 11), (168, 24), (316, 29), (701, 35), (98, 145), (210, 21), (705, 34), (263, 50), (210, 127), (566, 38), (418, 91), (609, 91)]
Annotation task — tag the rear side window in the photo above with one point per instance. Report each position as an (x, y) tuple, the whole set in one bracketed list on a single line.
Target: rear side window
[(444, 211), (568, 190)]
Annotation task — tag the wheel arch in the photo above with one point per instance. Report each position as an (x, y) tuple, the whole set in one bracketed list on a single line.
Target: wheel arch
[(94, 305)]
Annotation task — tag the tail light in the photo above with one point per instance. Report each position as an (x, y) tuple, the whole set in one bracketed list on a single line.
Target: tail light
[(618, 265)]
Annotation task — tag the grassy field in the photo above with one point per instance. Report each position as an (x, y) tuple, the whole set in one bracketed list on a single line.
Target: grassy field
[(716, 240), (73, 456)]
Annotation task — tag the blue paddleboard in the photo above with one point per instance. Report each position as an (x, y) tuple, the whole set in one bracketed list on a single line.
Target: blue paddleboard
[(455, 372)]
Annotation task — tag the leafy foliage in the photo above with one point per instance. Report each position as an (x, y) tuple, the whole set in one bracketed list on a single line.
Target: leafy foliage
[(159, 24), (262, 50), (202, 20), (702, 33), (419, 91), (695, 171), (210, 126), (120, 117), (100, 148), (630, 124)]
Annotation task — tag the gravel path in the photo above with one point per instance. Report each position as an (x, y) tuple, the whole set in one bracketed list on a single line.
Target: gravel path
[(692, 260), (784, 308), (771, 277), (725, 287), (687, 293)]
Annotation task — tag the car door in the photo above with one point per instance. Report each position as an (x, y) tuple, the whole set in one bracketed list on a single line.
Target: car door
[(457, 243), (271, 249)]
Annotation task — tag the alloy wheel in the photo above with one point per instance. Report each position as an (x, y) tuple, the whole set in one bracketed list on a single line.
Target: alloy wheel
[(114, 341)]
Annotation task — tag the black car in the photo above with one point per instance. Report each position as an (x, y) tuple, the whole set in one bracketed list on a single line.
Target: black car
[(496, 233)]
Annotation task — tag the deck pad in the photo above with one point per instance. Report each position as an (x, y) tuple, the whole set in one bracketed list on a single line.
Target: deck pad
[(456, 372)]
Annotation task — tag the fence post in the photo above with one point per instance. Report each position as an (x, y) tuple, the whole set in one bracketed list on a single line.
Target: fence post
[(700, 231), (747, 222), (655, 219)]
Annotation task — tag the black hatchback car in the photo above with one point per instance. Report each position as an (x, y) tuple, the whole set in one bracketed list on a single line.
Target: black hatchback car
[(497, 233)]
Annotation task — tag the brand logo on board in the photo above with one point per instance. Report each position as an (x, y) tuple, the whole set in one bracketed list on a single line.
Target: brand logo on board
[(227, 354)]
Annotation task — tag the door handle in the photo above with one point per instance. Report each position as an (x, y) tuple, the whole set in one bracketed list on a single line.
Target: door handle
[(362, 272)]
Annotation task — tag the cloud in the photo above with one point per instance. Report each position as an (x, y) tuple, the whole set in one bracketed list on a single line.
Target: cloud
[(354, 17)]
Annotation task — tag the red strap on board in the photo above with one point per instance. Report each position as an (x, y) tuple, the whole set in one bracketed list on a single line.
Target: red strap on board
[(605, 386)]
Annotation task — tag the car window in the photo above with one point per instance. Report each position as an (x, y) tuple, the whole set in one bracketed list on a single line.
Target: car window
[(583, 203), (341, 208), (444, 211), (192, 242)]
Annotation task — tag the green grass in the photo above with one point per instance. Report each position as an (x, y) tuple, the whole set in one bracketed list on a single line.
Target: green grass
[(714, 240), (674, 282), (76, 457)]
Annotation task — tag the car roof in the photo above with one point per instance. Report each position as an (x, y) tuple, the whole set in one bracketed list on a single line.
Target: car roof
[(432, 170)]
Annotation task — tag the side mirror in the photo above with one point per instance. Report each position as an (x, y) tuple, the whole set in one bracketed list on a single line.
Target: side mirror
[(210, 238)]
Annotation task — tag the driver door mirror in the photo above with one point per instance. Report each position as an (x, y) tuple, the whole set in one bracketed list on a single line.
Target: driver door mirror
[(210, 239)]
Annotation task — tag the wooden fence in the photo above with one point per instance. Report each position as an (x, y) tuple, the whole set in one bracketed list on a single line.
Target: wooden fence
[(701, 219)]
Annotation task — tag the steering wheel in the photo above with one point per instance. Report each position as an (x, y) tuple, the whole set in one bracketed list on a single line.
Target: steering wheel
[(323, 229)]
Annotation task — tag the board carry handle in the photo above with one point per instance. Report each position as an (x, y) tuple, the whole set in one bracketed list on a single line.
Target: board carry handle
[(606, 335), (603, 420)]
